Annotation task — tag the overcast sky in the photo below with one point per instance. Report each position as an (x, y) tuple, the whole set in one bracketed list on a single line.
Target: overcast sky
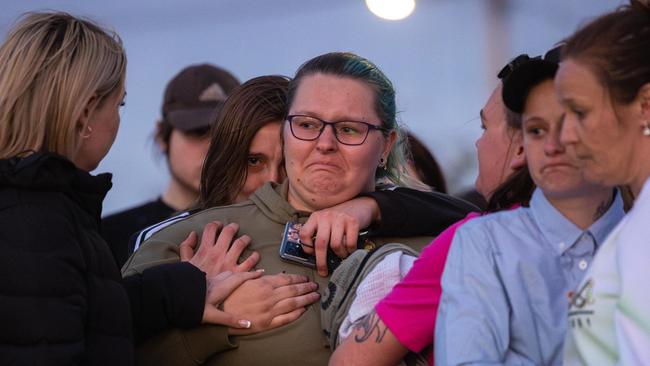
[(443, 60)]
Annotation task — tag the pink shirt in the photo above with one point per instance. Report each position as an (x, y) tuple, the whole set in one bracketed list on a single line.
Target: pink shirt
[(410, 309)]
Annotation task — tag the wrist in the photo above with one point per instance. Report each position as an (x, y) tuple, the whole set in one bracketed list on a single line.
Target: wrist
[(373, 208)]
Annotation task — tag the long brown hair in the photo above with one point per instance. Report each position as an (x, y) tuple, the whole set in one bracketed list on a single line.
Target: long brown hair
[(251, 106)]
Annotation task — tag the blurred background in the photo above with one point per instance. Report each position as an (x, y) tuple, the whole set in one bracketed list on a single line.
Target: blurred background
[(443, 60)]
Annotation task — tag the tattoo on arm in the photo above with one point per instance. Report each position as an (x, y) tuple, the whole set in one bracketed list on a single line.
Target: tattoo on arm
[(370, 326)]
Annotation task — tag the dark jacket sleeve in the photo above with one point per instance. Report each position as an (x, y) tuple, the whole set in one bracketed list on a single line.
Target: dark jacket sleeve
[(409, 212), (165, 296), (43, 288)]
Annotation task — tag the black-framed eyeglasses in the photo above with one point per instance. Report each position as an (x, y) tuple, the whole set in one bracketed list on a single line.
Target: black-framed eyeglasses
[(309, 128)]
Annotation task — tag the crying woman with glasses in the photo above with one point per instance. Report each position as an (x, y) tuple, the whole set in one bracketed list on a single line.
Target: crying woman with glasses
[(339, 140)]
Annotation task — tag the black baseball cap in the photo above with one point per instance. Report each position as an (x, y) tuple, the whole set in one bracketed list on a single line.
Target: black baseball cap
[(195, 95), (523, 73)]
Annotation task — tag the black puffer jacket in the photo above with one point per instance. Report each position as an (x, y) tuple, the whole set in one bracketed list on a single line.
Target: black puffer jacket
[(62, 299)]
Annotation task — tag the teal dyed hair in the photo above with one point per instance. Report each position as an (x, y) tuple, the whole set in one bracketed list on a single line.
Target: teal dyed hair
[(350, 65)]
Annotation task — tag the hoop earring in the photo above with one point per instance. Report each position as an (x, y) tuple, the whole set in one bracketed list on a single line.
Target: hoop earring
[(90, 132), (646, 129)]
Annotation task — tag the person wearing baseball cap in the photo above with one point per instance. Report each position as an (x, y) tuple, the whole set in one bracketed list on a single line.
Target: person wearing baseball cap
[(191, 100)]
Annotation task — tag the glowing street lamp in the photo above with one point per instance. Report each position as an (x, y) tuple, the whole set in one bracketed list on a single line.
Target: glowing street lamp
[(391, 9)]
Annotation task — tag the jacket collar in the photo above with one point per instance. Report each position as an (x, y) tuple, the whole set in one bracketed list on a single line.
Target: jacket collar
[(49, 172)]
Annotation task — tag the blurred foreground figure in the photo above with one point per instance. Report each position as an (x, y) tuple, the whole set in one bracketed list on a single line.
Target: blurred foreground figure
[(604, 85), (63, 299)]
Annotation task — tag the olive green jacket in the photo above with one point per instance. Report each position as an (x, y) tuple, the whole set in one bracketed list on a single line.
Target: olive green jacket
[(263, 218)]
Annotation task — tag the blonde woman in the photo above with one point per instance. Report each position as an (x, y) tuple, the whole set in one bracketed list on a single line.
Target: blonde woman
[(62, 298)]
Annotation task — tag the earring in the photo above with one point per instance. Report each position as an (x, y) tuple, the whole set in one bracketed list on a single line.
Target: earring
[(90, 132), (382, 163), (646, 129)]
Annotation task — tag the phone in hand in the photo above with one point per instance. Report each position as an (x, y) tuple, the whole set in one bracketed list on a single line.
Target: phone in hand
[(291, 249)]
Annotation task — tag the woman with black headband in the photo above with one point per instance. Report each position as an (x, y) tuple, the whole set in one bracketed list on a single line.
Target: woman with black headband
[(509, 276)]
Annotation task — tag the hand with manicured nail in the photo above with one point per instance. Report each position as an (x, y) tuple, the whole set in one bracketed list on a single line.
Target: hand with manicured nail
[(217, 289), (271, 301)]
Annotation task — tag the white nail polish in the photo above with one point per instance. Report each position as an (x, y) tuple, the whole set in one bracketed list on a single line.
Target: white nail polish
[(245, 323)]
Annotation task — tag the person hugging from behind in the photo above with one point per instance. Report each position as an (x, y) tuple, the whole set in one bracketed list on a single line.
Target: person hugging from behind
[(339, 140)]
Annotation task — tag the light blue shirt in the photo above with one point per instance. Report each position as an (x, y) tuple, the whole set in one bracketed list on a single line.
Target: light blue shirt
[(507, 283)]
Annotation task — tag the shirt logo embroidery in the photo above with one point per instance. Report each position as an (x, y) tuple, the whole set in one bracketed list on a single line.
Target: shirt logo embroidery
[(579, 312)]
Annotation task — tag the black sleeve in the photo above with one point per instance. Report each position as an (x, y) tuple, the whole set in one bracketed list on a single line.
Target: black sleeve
[(43, 288), (409, 212), (169, 295)]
